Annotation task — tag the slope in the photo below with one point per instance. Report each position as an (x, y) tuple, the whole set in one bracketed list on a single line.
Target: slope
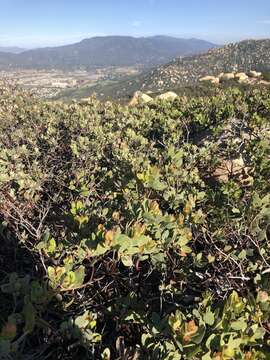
[(109, 51)]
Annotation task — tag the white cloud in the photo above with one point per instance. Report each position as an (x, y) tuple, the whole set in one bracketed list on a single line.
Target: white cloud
[(136, 23)]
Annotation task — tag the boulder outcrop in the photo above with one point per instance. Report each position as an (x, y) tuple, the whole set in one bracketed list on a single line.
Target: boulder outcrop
[(252, 77), (254, 74), (226, 76), (211, 79), (170, 95), (241, 77), (140, 97), (264, 82)]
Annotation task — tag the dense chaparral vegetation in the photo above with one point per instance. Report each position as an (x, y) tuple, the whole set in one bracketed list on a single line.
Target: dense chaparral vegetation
[(133, 232)]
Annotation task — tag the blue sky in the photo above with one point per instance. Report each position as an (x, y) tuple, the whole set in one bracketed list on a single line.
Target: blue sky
[(32, 23)]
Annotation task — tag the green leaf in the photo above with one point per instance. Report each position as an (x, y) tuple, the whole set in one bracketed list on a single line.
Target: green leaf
[(123, 241), (209, 318), (186, 249), (213, 339), (51, 246), (157, 185), (29, 316), (127, 260), (198, 337), (242, 255), (146, 339), (79, 276), (41, 245), (207, 356), (239, 325), (106, 354), (85, 320)]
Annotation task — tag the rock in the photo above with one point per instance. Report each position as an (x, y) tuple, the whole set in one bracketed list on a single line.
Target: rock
[(226, 76), (85, 100), (229, 168), (215, 81), (240, 74), (140, 97), (170, 95), (253, 81), (254, 74), (241, 77), (244, 80), (211, 79), (264, 82), (207, 78)]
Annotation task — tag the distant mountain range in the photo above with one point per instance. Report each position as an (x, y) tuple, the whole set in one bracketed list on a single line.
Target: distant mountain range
[(106, 51), (11, 49), (186, 72)]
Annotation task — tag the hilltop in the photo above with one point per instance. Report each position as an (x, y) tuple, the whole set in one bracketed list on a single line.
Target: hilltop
[(105, 51), (183, 74), (243, 56)]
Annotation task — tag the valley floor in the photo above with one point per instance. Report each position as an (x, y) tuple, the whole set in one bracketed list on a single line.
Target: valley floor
[(50, 83)]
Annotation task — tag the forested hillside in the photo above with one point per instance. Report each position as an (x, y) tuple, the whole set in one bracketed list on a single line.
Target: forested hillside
[(135, 232)]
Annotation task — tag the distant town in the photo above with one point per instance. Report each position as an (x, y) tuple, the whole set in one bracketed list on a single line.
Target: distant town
[(49, 83)]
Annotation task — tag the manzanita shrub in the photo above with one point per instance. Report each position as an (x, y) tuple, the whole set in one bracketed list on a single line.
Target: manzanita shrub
[(135, 232)]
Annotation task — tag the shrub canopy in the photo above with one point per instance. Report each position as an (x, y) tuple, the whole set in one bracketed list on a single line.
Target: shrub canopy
[(135, 233)]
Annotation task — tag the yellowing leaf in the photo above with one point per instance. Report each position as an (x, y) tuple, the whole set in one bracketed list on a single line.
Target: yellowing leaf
[(190, 330), (211, 259), (109, 236), (263, 296)]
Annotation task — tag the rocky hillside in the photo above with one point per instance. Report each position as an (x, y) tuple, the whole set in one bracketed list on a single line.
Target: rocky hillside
[(107, 51), (243, 56)]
